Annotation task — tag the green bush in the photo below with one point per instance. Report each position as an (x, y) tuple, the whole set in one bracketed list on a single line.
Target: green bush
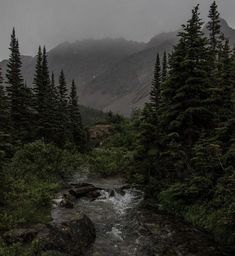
[(33, 176), (41, 160), (205, 205), (107, 162)]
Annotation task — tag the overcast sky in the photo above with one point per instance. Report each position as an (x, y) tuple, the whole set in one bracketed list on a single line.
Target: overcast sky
[(51, 22)]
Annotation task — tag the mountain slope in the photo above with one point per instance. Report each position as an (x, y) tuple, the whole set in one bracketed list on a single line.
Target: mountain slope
[(112, 74), (125, 86)]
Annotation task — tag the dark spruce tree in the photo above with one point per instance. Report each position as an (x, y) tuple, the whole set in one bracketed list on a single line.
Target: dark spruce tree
[(3, 106), (156, 86), (214, 29), (227, 82), (40, 92), (19, 124), (49, 115), (148, 153), (76, 127), (164, 67), (63, 117), (185, 111), (4, 119), (216, 43)]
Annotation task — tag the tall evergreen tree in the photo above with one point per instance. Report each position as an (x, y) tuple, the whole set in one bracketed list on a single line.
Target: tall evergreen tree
[(39, 95), (76, 127), (3, 106), (46, 99), (185, 112), (63, 118), (164, 67), (16, 92), (216, 42), (156, 85), (49, 100), (214, 28), (227, 82)]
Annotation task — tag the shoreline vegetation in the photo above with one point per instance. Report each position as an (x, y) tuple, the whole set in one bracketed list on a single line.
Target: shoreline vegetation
[(179, 149)]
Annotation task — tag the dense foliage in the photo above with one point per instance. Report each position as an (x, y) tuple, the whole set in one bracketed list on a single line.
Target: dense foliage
[(185, 156), (42, 140), (180, 148)]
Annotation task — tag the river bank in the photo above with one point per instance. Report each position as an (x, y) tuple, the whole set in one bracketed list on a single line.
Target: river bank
[(125, 228)]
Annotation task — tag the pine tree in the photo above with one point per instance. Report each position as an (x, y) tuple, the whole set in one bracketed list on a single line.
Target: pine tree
[(49, 115), (3, 106), (76, 127), (214, 28), (185, 111), (164, 67), (227, 82), (39, 95), (156, 86), (63, 118), (216, 43), (46, 99), (16, 93)]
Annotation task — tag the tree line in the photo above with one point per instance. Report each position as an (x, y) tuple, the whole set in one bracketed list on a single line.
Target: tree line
[(46, 111), (186, 149)]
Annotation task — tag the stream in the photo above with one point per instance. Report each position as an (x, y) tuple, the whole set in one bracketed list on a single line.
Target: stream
[(123, 229)]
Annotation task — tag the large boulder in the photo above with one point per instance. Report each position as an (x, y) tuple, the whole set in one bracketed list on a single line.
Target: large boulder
[(73, 237), (82, 190)]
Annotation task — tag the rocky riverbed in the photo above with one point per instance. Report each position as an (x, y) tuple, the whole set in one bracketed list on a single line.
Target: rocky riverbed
[(124, 228), (105, 217)]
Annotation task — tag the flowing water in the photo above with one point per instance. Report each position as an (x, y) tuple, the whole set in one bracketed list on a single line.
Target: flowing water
[(120, 231), (114, 214)]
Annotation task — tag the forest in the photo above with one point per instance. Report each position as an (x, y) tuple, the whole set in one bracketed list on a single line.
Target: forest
[(179, 149)]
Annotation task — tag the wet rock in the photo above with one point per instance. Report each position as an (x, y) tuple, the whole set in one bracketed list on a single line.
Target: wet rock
[(22, 235), (121, 191), (125, 187), (80, 185), (66, 203), (82, 190), (112, 193), (72, 237), (93, 195)]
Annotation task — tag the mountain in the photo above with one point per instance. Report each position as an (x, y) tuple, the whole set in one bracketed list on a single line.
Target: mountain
[(82, 60), (112, 74), (125, 86)]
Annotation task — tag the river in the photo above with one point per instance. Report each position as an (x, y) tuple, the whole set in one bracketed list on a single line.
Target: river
[(124, 229)]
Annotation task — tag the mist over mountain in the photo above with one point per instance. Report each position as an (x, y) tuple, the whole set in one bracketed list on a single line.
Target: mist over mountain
[(112, 74)]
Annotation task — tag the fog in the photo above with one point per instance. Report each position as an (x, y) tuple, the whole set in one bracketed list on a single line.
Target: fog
[(50, 22)]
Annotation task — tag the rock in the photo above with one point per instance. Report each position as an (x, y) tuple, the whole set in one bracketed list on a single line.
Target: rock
[(112, 193), (125, 187), (79, 185), (82, 191), (72, 237), (72, 192), (93, 195), (20, 235), (66, 203), (121, 191)]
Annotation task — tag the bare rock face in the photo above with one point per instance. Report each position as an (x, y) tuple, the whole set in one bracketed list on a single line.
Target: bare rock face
[(72, 237)]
